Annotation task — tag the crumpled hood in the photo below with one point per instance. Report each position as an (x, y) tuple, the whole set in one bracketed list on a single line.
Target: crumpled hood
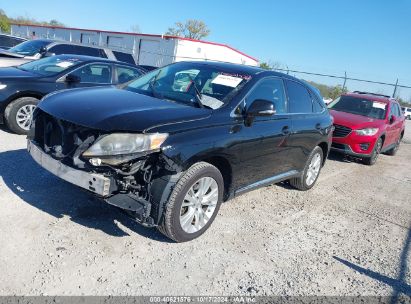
[(354, 121), (112, 109)]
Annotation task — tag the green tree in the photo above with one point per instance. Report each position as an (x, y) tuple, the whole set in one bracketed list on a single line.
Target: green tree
[(337, 91), (329, 91), (193, 29), (4, 22), (55, 23), (265, 65)]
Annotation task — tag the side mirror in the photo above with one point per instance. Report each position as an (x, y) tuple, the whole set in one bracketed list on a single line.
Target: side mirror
[(71, 78), (43, 50), (392, 119), (259, 107)]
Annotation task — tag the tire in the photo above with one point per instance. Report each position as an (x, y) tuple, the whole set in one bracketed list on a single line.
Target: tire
[(23, 107), (375, 153), (171, 225), (302, 182), (394, 150)]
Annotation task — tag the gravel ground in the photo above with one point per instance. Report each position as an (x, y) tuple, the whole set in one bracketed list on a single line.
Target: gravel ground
[(350, 235)]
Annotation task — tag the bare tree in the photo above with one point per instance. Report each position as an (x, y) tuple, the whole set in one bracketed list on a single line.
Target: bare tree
[(193, 29), (272, 65)]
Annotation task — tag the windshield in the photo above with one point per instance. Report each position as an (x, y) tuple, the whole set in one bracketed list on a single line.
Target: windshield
[(194, 84), (49, 66), (359, 106), (29, 48)]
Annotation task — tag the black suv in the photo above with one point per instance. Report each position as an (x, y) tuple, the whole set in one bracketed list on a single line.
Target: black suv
[(170, 146)]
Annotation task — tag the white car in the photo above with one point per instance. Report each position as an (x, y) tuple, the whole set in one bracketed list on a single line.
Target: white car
[(407, 112)]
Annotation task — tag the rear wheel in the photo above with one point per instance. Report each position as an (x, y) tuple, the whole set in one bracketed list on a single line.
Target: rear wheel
[(19, 113), (194, 203), (394, 150), (375, 153), (311, 171)]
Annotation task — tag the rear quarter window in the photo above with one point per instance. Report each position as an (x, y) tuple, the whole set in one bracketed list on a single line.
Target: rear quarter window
[(299, 99)]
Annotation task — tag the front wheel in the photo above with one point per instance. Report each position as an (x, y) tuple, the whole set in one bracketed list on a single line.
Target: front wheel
[(19, 113), (194, 203), (311, 171)]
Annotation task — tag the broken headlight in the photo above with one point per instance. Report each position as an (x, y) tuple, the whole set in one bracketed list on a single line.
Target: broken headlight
[(118, 148)]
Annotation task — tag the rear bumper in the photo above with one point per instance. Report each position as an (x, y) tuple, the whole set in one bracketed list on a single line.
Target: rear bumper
[(96, 183)]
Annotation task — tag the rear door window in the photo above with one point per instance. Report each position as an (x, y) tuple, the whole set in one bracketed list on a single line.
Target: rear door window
[(299, 99), (94, 73), (125, 74), (398, 110)]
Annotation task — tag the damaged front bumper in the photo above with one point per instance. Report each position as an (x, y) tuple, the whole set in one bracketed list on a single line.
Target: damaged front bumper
[(96, 183), (135, 206)]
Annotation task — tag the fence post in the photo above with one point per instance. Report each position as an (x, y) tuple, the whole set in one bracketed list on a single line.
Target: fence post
[(395, 88)]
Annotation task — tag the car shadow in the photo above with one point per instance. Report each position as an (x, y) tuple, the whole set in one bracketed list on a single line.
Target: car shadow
[(344, 158), (399, 285), (48, 193), (4, 128)]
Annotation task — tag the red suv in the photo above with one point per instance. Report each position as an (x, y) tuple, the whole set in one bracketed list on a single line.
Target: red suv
[(366, 125)]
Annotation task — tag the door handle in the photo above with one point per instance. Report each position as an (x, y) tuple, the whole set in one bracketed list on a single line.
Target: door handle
[(286, 130)]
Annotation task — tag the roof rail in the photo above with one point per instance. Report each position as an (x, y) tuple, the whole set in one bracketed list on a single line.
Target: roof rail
[(374, 94)]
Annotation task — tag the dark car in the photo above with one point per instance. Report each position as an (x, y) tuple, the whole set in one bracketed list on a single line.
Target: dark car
[(23, 86), (170, 154), (8, 41), (39, 48)]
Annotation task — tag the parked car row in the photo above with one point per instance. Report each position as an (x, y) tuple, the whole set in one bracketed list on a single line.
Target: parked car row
[(22, 87), (39, 48), (170, 146)]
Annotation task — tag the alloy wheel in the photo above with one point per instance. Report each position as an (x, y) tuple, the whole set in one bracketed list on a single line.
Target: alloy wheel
[(24, 116), (199, 205), (313, 169)]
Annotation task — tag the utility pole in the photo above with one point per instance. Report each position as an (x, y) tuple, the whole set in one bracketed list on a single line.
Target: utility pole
[(395, 88), (345, 80)]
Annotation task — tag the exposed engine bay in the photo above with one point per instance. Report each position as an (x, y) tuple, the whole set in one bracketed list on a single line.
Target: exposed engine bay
[(131, 183)]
